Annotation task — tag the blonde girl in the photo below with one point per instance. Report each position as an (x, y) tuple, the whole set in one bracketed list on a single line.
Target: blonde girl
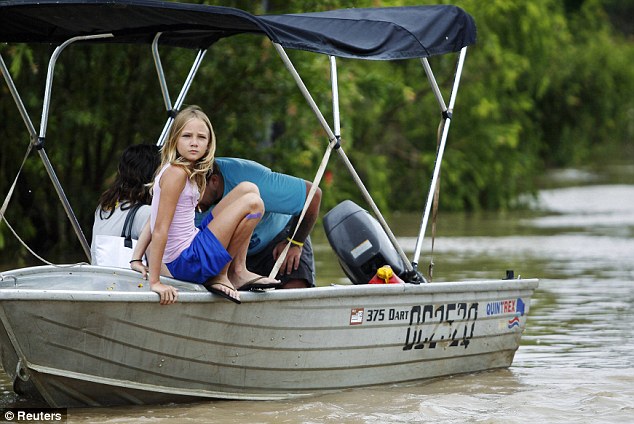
[(214, 253)]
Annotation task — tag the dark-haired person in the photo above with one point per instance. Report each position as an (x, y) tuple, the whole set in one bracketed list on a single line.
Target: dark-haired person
[(136, 169)]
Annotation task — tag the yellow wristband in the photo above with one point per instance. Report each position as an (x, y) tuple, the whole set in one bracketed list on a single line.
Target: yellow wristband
[(295, 242)]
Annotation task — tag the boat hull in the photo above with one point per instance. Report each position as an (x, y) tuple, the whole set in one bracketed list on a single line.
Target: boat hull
[(92, 336)]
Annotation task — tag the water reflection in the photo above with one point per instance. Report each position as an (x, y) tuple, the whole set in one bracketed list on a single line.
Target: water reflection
[(588, 207)]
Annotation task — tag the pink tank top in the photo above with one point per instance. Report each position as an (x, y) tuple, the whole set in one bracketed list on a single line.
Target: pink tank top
[(182, 230)]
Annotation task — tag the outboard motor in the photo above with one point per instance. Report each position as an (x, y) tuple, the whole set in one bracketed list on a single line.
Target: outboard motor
[(360, 242)]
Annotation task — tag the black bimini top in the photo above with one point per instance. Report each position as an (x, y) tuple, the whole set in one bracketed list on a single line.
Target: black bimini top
[(373, 33)]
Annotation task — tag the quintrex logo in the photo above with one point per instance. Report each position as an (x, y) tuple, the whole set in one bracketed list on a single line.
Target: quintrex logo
[(517, 307)]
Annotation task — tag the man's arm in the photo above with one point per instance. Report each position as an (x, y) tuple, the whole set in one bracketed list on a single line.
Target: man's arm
[(312, 213), (291, 262)]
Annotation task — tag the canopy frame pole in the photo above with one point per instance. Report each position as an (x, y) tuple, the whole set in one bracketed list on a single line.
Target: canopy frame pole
[(50, 74), (160, 72), (446, 116), (171, 112), (334, 81), (305, 92), (337, 146), (39, 145), (434, 85), (318, 175)]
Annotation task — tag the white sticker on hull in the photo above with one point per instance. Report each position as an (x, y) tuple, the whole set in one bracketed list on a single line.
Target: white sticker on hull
[(356, 316)]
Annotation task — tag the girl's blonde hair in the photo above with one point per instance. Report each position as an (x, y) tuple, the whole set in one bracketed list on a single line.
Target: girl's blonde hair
[(169, 153)]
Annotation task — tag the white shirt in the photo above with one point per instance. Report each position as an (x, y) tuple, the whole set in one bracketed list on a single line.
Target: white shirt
[(114, 224)]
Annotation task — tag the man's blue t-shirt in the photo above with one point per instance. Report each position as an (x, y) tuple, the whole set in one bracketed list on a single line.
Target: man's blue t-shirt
[(283, 196)]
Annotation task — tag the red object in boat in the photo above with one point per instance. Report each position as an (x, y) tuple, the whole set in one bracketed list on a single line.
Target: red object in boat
[(385, 275)]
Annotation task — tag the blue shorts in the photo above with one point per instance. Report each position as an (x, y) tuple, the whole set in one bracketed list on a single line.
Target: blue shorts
[(204, 258)]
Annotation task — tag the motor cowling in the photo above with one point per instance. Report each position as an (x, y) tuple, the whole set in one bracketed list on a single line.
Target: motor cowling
[(361, 244)]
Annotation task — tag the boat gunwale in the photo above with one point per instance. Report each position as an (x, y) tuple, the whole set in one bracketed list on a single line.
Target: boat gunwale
[(190, 292)]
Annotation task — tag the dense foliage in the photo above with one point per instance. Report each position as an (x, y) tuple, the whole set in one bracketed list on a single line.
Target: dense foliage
[(547, 84)]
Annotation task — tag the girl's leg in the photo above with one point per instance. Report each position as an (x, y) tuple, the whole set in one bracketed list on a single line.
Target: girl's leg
[(233, 226), (242, 201), (235, 195)]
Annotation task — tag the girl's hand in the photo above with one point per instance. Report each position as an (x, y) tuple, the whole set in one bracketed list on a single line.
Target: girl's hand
[(139, 267), (168, 294)]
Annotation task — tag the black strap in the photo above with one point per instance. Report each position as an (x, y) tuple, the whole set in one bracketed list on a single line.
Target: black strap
[(126, 233)]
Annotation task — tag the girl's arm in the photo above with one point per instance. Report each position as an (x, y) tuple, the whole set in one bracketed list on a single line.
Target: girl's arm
[(172, 183), (141, 249)]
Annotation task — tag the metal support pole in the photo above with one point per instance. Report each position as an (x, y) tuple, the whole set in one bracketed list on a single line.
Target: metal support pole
[(333, 138), (160, 72), (181, 97), (305, 92), (49, 77), (434, 85), (441, 149), (40, 142), (335, 96)]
